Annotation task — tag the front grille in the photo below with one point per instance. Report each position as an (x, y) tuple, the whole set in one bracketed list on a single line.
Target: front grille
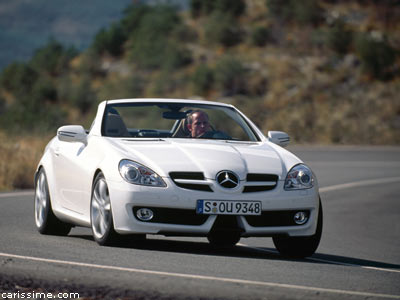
[(174, 216), (191, 181), (260, 182), (274, 218)]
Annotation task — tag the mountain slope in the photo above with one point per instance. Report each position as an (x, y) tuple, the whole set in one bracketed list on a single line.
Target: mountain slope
[(26, 25)]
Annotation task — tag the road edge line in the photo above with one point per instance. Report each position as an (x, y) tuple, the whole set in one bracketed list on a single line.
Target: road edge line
[(202, 277)]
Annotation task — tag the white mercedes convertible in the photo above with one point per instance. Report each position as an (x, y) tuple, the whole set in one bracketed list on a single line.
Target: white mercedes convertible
[(177, 168)]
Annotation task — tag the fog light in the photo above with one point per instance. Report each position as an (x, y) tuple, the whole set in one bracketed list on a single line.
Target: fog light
[(300, 218), (144, 214)]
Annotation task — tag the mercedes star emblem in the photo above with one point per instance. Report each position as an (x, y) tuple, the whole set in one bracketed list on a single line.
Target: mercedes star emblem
[(227, 179)]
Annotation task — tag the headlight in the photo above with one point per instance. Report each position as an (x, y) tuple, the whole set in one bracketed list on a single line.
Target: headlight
[(299, 177), (136, 173)]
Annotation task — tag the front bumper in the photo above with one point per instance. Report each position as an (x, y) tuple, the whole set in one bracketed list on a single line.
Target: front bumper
[(175, 210)]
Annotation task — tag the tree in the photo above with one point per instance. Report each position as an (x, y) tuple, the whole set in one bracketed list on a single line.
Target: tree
[(260, 36), (18, 78), (230, 76), (110, 41), (222, 29), (235, 8), (304, 12), (376, 55), (152, 45), (52, 58), (202, 79), (339, 37)]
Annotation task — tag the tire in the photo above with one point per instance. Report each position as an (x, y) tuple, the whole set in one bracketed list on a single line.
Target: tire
[(101, 214), (45, 220), (223, 239), (300, 247)]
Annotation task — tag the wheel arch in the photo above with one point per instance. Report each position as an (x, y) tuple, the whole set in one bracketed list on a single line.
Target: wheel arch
[(96, 173), (52, 201), (35, 176)]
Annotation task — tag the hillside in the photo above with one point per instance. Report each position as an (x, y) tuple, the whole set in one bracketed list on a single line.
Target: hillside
[(26, 25), (325, 71)]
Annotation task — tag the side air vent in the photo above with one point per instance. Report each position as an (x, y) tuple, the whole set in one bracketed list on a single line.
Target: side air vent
[(260, 183), (191, 181)]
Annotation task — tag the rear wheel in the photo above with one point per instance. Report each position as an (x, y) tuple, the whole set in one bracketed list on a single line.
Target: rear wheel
[(45, 220), (101, 213), (300, 247)]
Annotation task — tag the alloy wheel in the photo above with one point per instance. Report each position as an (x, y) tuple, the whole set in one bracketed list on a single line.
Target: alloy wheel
[(101, 209)]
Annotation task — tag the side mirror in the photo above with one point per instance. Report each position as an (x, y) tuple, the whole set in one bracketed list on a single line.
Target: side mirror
[(278, 137), (72, 133)]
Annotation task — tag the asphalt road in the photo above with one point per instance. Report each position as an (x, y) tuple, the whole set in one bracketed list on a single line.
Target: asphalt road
[(358, 258)]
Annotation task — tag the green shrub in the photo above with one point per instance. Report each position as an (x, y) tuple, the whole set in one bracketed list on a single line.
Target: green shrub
[(280, 9), (176, 57), (223, 29), (202, 79), (52, 58), (206, 7), (79, 95), (83, 96), (90, 64), (120, 88), (307, 11), (2, 105), (18, 78), (31, 113), (230, 76), (339, 38), (45, 91), (196, 7), (110, 41), (132, 18), (152, 45), (184, 34), (376, 55), (260, 36), (304, 11), (134, 86), (165, 83), (234, 7)]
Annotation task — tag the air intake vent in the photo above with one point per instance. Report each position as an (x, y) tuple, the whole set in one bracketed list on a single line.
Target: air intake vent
[(191, 181), (275, 218), (260, 183)]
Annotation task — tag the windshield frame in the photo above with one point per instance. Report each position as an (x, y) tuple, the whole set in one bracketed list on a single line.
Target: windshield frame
[(242, 120)]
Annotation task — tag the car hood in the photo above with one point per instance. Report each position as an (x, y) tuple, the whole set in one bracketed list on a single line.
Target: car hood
[(208, 156)]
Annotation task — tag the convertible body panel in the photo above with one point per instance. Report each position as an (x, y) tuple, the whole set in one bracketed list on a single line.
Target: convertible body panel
[(190, 171)]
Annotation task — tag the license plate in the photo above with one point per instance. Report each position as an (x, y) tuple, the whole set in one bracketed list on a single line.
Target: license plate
[(219, 207)]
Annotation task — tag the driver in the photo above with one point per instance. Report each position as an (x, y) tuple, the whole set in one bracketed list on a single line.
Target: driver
[(198, 124)]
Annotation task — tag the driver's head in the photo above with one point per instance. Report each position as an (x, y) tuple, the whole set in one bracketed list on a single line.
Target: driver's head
[(198, 123)]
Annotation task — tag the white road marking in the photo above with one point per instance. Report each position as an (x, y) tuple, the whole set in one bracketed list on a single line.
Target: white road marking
[(328, 261), (358, 184), (17, 194), (354, 265), (203, 277)]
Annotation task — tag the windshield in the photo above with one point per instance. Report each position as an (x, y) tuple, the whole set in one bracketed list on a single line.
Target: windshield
[(175, 120)]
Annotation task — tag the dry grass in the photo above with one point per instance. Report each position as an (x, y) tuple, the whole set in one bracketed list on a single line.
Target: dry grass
[(19, 158)]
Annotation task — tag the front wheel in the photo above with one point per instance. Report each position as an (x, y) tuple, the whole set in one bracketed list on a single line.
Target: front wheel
[(45, 220), (101, 214), (303, 246)]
